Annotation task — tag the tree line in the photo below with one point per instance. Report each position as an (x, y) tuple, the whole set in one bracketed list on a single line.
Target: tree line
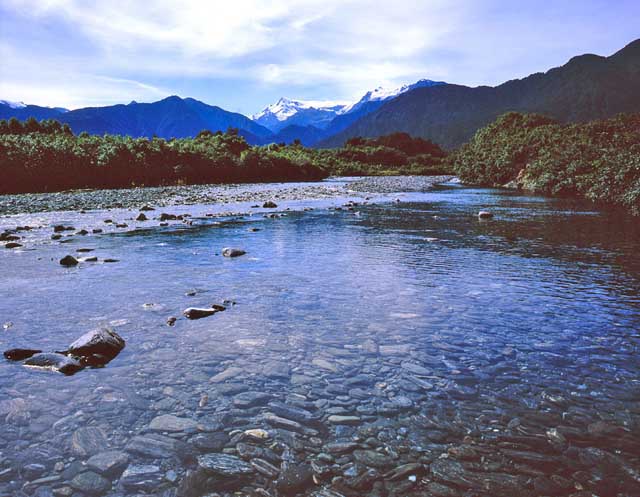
[(597, 160), (45, 156)]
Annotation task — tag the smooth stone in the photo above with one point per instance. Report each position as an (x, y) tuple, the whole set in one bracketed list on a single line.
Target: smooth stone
[(324, 364), (55, 362), (104, 342), (228, 373), (295, 413), (232, 252), (110, 463), (20, 354), (12, 245), (88, 441), (340, 447), (91, 483), (276, 369), (171, 423), (142, 477), (247, 400), (416, 369), (336, 419), (212, 442), (485, 215), (68, 261), (224, 465), (152, 445), (198, 313)]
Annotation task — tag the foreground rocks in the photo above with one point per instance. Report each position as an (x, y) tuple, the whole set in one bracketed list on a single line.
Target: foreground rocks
[(94, 349)]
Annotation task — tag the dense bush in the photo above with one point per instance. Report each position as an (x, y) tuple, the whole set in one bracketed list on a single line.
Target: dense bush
[(599, 160), (46, 156)]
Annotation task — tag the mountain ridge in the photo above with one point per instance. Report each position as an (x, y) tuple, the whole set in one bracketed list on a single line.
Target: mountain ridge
[(587, 87)]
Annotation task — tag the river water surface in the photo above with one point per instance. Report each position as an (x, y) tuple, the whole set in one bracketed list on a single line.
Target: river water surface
[(388, 348)]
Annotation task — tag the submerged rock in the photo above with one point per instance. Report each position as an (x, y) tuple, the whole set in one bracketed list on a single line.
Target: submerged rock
[(170, 423), (91, 483), (232, 252), (294, 478), (20, 354), (224, 465), (269, 205), (142, 477), (88, 441), (54, 361), (485, 215), (110, 463)]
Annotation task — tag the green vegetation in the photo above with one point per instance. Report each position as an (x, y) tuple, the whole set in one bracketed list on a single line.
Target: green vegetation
[(47, 156), (393, 154), (599, 160)]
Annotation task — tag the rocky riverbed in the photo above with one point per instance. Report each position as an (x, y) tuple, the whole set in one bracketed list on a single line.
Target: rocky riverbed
[(357, 347)]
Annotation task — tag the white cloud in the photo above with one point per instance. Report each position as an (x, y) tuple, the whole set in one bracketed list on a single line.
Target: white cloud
[(67, 50)]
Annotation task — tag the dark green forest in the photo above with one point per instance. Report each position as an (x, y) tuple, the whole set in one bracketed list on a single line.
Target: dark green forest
[(45, 156), (598, 160)]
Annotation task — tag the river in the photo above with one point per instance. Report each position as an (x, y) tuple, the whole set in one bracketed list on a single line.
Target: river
[(382, 342)]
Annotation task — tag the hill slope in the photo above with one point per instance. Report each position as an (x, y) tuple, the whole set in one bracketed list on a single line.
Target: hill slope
[(587, 87)]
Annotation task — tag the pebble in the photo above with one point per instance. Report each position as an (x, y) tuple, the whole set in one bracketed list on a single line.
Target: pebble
[(171, 423)]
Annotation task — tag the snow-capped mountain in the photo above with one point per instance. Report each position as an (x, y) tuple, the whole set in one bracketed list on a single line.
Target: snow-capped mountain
[(13, 105), (321, 114), (288, 112), (382, 94)]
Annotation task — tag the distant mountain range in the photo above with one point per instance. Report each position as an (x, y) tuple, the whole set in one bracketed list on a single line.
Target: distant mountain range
[(587, 87), (328, 117)]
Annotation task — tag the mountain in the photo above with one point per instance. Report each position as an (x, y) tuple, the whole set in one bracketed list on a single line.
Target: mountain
[(286, 112), (21, 111), (588, 87), (167, 118), (325, 118)]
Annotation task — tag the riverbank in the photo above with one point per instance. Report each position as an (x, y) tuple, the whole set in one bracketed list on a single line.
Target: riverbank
[(598, 160), (136, 198)]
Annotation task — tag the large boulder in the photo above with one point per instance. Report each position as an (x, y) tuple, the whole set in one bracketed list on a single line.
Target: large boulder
[(101, 342)]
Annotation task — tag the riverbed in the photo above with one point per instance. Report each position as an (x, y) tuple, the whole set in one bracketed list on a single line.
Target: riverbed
[(378, 338)]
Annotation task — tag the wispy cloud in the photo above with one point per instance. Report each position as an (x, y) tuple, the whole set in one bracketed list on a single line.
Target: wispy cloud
[(78, 52)]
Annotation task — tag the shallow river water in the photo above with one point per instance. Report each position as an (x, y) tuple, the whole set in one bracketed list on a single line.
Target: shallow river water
[(389, 348)]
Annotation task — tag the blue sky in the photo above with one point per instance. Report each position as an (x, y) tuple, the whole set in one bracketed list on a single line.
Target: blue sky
[(244, 54)]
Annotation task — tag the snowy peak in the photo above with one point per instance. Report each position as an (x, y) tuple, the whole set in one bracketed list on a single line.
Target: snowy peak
[(382, 94), (284, 108), (286, 112), (13, 105)]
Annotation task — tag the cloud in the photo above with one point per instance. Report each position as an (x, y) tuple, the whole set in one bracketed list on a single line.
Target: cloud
[(103, 51)]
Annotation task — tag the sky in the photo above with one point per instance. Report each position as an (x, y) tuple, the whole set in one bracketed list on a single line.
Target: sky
[(245, 54)]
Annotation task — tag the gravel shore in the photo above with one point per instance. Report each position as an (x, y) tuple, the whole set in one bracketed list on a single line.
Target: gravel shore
[(209, 194)]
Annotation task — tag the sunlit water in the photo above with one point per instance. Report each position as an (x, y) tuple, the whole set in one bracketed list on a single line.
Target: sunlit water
[(525, 323)]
